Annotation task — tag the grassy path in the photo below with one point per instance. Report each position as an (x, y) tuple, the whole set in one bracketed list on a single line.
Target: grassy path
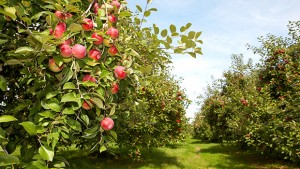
[(191, 155)]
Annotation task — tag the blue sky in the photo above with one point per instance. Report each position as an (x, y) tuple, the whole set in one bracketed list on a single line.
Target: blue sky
[(226, 25)]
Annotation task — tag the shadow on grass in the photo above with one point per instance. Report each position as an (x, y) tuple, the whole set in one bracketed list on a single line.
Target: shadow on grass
[(154, 159), (233, 157)]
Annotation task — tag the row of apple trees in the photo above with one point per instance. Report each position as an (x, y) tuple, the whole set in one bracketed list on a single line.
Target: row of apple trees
[(257, 105), (89, 74)]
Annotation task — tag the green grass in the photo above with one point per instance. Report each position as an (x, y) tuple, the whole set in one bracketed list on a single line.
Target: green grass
[(191, 155)]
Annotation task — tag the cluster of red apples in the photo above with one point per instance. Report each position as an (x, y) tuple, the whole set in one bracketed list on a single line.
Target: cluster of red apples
[(104, 38)]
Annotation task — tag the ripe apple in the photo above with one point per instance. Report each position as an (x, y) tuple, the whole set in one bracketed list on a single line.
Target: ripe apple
[(96, 7), (98, 37), (88, 24), (59, 15), (244, 102), (178, 121), (68, 16), (66, 51), (116, 4), (107, 124), (53, 66), (95, 54), (112, 18), (88, 77), (113, 33), (59, 30), (107, 43), (67, 42), (86, 106), (79, 51), (120, 73), (112, 51), (115, 88)]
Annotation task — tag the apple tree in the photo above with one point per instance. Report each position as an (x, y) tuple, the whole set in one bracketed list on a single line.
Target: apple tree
[(70, 71)]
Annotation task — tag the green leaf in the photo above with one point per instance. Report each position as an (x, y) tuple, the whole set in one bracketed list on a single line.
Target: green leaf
[(54, 106), (75, 125), (9, 11), (139, 8), (68, 110), (113, 134), (8, 159), (85, 118), (13, 62), (156, 29), (104, 73), (147, 13), (7, 118), (24, 50), (70, 97), (46, 152), (69, 85), (51, 94), (112, 110), (47, 114), (2, 41), (3, 84), (164, 33), (172, 28), (191, 34), (74, 27), (192, 54), (67, 76), (188, 25), (102, 148), (29, 127), (125, 14), (98, 102)]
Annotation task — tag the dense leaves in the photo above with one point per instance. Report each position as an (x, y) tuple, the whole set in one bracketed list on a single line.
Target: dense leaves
[(67, 65)]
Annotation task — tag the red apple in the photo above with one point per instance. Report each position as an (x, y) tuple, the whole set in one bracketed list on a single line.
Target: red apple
[(59, 15), (96, 7), (66, 51), (67, 42), (68, 16), (88, 77), (113, 33), (95, 54), (112, 18), (112, 51), (86, 106), (115, 88), (88, 24), (53, 66), (107, 123), (116, 4), (79, 51), (59, 30), (98, 37), (120, 73), (178, 121)]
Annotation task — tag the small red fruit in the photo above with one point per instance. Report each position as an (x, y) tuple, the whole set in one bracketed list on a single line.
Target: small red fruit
[(88, 77), (67, 42), (107, 124), (98, 37), (115, 88), (53, 66), (178, 121), (88, 25), (79, 51), (68, 16), (59, 30), (112, 18), (95, 54), (96, 7), (120, 73), (116, 4), (86, 106), (66, 51), (59, 15), (112, 51), (113, 33)]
